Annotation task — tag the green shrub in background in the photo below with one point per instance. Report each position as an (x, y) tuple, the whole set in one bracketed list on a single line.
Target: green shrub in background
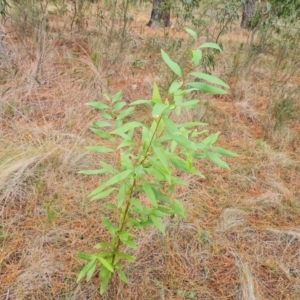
[(148, 155)]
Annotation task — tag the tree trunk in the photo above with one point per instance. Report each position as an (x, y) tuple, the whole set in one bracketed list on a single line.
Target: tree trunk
[(249, 11), (160, 14)]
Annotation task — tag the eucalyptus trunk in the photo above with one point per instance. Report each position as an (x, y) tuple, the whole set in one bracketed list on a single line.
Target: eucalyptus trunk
[(160, 15)]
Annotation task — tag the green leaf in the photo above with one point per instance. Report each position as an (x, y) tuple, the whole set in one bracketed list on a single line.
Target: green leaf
[(115, 179), (117, 97), (211, 45), (104, 283), (85, 256), (178, 208), (100, 149), (205, 88), (189, 104), (196, 57), (209, 78), (137, 102), (110, 227), (127, 127), (102, 245), (216, 160), (125, 113), (191, 33), (177, 137), (149, 192), (121, 194), (119, 106), (106, 115), (122, 276), (101, 124), (128, 143), (155, 94), (124, 235), (211, 139), (158, 109), (126, 256), (97, 105), (91, 271), (92, 172), (178, 163), (111, 206), (103, 194), (84, 271), (130, 243), (103, 134), (158, 224), (137, 203), (175, 86), (107, 265), (139, 171), (108, 168), (224, 152), (161, 154), (172, 65)]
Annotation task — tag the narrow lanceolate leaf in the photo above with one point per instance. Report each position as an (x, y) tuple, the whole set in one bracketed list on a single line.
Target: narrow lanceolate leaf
[(161, 154), (211, 45), (110, 227), (97, 105), (104, 283), (84, 271), (155, 94), (177, 137), (117, 97), (119, 106), (91, 271), (103, 134), (158, 109), (158, 224), (137, 102), (100, 149), (108, 168), (122, 276), (107, 265), (191, 32), (196, 57), (175, 86), (149, 192), (224, 152), (127, 127), (211, 139), (115, 179), (103, 194), (172, 65), (92, 172), (106, 115), (125, 256), (209, 78), (179, 163), (189, 104), (85, 256), (216, 160), (206, 88), (121, 195), (101, 124), (125, 113)]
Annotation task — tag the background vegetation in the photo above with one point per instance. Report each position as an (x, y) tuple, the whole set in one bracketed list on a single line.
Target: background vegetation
[(240, 235)]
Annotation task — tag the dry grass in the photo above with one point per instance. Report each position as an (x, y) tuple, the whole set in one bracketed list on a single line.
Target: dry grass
[(241, 235)]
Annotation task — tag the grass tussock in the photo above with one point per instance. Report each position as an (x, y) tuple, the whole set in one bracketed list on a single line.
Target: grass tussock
[(241, 235)]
